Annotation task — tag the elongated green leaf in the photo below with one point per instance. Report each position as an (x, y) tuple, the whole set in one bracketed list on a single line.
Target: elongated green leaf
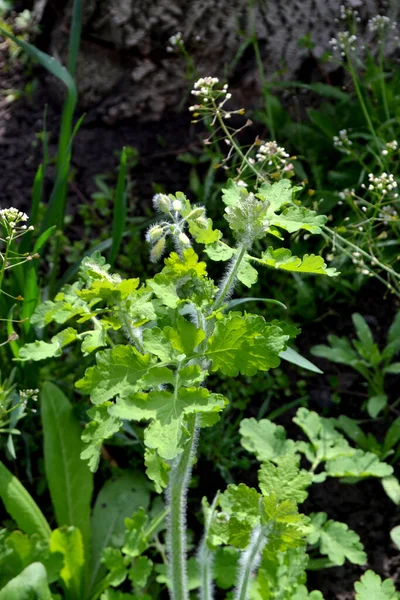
[(69, 478), (75, 36), (40, 242), (297, 359), (238, 301), (119, 221), (21, 506), (31, 584), (118, 499)]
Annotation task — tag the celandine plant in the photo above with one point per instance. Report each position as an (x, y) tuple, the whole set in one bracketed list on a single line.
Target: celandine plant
[(164, 336)]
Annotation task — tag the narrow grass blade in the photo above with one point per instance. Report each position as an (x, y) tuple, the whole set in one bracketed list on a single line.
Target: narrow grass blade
[(119, 220), (238, 301), (75, 36), (297, 359)]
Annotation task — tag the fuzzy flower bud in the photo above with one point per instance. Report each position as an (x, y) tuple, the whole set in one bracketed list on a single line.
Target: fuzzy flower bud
[(157, 250), (154, 233), (162, 203), (183, 238), (177, 205)]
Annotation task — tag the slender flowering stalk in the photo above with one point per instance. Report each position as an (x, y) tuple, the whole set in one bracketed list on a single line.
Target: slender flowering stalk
[(176, 496), (250, 560), (205, 558)]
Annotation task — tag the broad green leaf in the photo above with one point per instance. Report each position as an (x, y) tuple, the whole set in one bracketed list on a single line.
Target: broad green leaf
[(219, 252), (40, 350), (336, 541), (102, 427), (135, 541), (303, 594), (117, 499), (21, 506), (339, 351), (391, 485), (326, 442), (281, 258), (231, 194), (285, 481), (297, 359), (117, 371), (265, 439), (93, 340), (361, 464), (376, 404), (245, 344), (165, 290), (156, 469), (69, 478), (31, 584), (392, 436), (371, 587), (166, 411), (393, 368), (395, 535), (155, 342), (140, 571), (225, 567), (185, 336), (393, 345), (247, 274), (68, 541), (116, 564)]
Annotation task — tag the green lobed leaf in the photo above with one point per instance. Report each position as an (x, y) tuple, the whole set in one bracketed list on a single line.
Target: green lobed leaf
[(40, 350), (336, 540), (68, 542), (282, 258), (102, 427), (360, 464), (371, 587), (156, 469), (265, 439), (245, 344), (117, 371), (285, 481), (140, 571), (116, 564)]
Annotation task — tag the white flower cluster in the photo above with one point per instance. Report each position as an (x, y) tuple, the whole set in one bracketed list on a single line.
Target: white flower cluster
[(346, 13), (379, 23), (344, 42), (175, 39), (342, 142), (383, 183), (27, 394), (13, 216), (390, 147), (205, 87), (271, 152), (346, 193)]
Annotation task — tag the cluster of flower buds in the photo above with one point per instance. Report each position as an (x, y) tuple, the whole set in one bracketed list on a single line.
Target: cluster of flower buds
[(174, 41), (270, 151), (213, 98), (380, 23), (11, 217), (342, 142), (383, 184), (344, 42), (180, 215), (390, 147), (28, 394), (348, 13)]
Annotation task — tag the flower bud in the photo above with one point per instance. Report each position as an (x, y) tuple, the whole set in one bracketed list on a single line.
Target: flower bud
[(177, 205), (196, 213), (162, 202), (157, 250), (154, 233), (183, 238)]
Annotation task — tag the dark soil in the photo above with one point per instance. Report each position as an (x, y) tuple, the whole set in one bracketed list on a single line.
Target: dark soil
[(364, 507)]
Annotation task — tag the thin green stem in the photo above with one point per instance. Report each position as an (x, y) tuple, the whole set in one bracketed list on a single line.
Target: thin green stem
[(230, 277), (205, 558), (176, 534), (249, 561)]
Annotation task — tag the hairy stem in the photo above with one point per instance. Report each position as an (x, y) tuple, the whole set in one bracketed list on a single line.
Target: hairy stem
[(176, 534), (230, 277), (249, 561), (205, 558)]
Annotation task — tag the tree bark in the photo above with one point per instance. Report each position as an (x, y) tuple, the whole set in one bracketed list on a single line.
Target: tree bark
[(126, 70)]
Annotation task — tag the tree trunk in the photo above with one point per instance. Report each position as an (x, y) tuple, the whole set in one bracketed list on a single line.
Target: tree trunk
[(125, 68)]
